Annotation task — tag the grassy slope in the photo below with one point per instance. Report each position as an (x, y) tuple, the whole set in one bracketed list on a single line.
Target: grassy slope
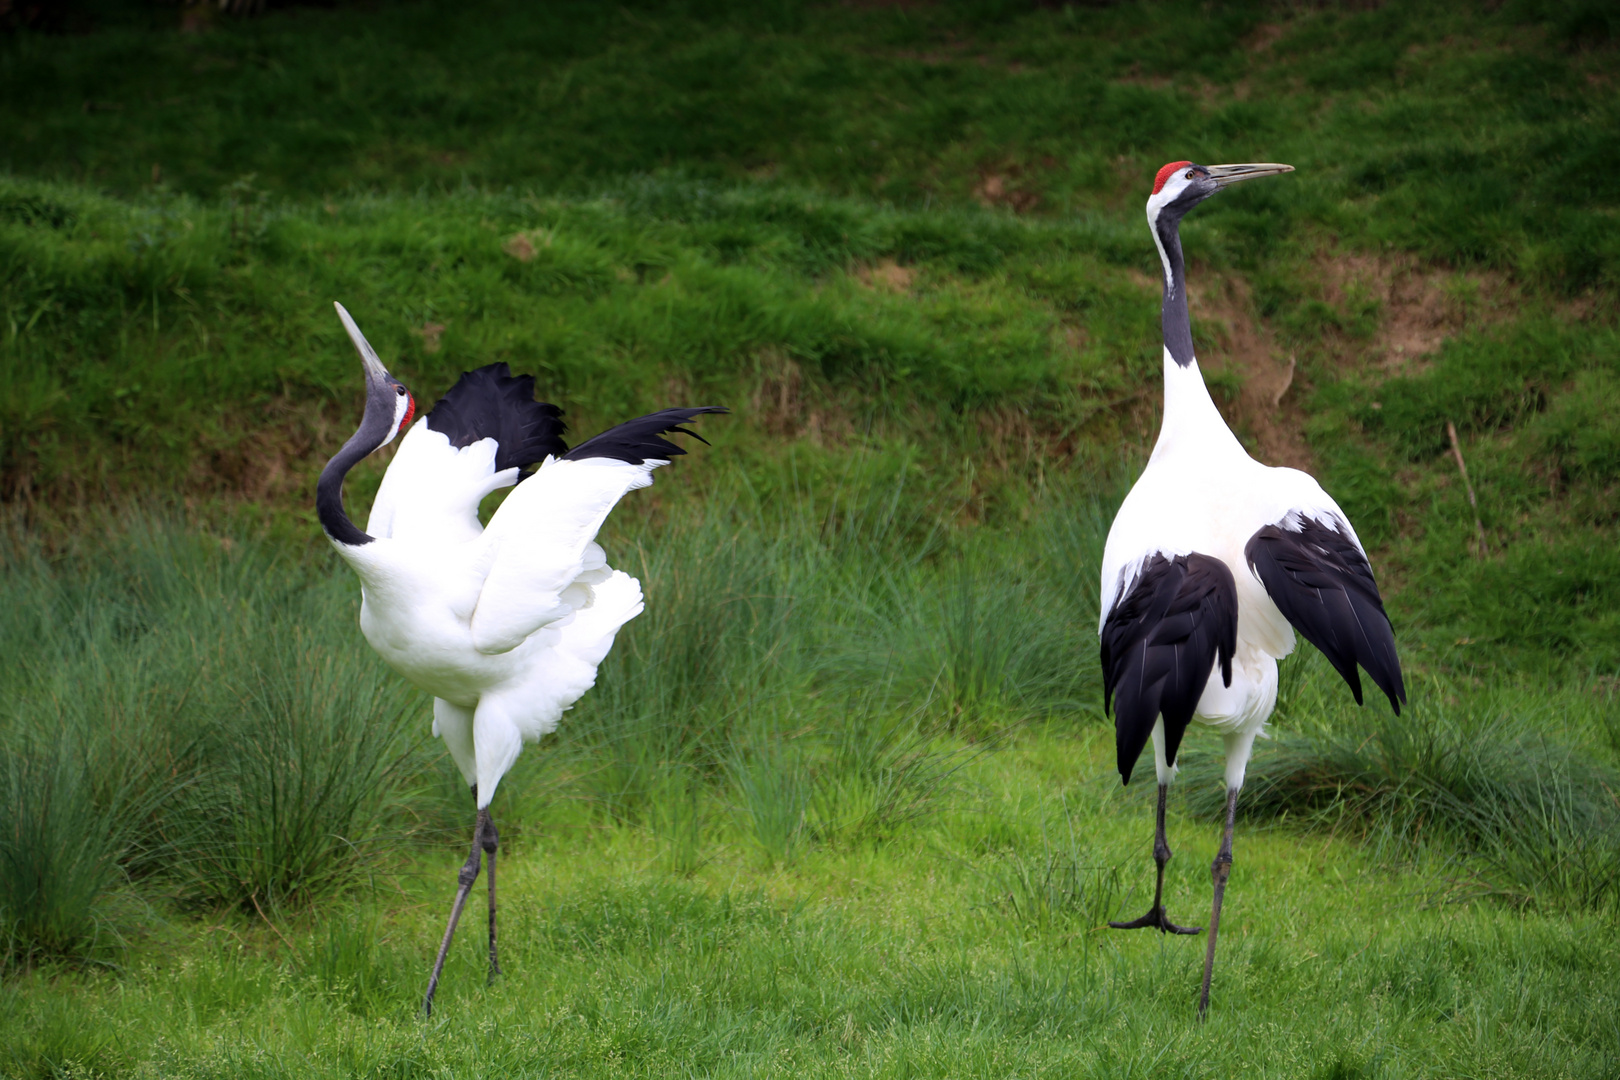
[(177, 334), (782, 211)]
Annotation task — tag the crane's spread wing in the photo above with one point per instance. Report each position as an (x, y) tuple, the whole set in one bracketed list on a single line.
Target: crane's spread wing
[(1319, 578), (477, 439), (540, 549), (640, 440), (1160, 642), (492, 403)]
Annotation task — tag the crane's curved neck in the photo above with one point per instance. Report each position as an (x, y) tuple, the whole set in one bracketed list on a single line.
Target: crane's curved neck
[(374, 430), (1173, 317), (1192, 424)]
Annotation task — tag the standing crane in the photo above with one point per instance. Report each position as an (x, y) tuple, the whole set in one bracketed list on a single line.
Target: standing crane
[(504, 626), (1215, 561)]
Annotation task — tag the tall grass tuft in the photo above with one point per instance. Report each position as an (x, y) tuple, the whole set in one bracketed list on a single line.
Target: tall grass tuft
[(60, 847), (295, 776), (1065, 882), (196, 714), (1535, 816), (883, 768), (773, 789)]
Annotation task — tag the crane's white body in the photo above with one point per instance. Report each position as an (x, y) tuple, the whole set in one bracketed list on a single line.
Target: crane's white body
[(504, 626), (1212, 564), (1202, 492)]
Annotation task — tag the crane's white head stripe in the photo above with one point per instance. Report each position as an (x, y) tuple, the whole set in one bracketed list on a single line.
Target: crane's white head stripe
[(404, 409)]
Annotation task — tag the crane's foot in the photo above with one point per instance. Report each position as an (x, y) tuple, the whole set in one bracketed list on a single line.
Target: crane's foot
[(1158, 920)]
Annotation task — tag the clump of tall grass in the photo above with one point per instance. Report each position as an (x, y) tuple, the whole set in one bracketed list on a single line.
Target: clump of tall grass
[(196, 714), (1535, 817), (1065, 882), (773, 790), (60, 847), (799, 662), (314, 740), (882, 769)]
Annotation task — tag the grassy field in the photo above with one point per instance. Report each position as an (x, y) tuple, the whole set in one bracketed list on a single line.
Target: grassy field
[(842, 802)]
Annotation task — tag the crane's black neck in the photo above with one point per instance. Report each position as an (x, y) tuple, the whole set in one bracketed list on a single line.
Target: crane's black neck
[(1173, 317), (374, 429)]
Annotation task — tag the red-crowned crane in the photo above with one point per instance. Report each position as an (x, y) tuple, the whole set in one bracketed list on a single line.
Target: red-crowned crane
[(504, 626), (1212, 564)]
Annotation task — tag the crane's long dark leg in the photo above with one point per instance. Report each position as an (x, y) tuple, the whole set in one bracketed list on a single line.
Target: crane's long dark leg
[(491, 841), (1161, 855), (464, 883), (1219, 870)]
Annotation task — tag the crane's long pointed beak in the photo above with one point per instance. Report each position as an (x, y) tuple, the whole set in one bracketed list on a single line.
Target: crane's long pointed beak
[(375, 372), (1227, 175)]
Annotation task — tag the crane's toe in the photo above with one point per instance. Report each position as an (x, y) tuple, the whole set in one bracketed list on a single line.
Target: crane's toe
[(1158, 920)]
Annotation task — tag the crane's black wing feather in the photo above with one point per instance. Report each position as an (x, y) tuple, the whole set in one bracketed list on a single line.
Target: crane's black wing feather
[(492, 403), (638, 440), (1320, 580), (1160, 643)]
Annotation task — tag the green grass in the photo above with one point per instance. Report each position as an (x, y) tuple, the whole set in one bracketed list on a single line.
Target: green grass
[(914, 958), (687, 238), (842, 800), (796, 822)]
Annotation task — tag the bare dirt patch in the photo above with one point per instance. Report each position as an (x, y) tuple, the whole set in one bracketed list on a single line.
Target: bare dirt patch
[(430, 333), (520, 247), (1264, 37), (1133, 76), (787, 405), (888, 275), (524, 246), (1417, 307), (275, 463), (1233, 339), (997, 190), (1412, 309)]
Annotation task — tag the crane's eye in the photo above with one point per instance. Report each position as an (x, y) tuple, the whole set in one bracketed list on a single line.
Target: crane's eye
[(400, 390), (1191, 174)]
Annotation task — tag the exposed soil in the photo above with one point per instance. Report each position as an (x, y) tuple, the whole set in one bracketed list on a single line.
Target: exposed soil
[(785, 406), (524, 246), (278, 462), (1418, 307), (1413, 308), (430, 333), (1264, 37), (998, 190), (888, 275), (1231, 338)]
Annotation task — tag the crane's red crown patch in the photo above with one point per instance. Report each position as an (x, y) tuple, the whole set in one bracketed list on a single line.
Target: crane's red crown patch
[(410, 411), (1164, 174)]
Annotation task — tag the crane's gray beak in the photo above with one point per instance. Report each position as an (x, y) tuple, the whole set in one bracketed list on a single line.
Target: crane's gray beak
[(376, 374), (1227, 175)]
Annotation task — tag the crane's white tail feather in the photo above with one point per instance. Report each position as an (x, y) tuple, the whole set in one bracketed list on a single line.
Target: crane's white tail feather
[(615, 600), (563, 669), (567, 668), (454, 725)]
